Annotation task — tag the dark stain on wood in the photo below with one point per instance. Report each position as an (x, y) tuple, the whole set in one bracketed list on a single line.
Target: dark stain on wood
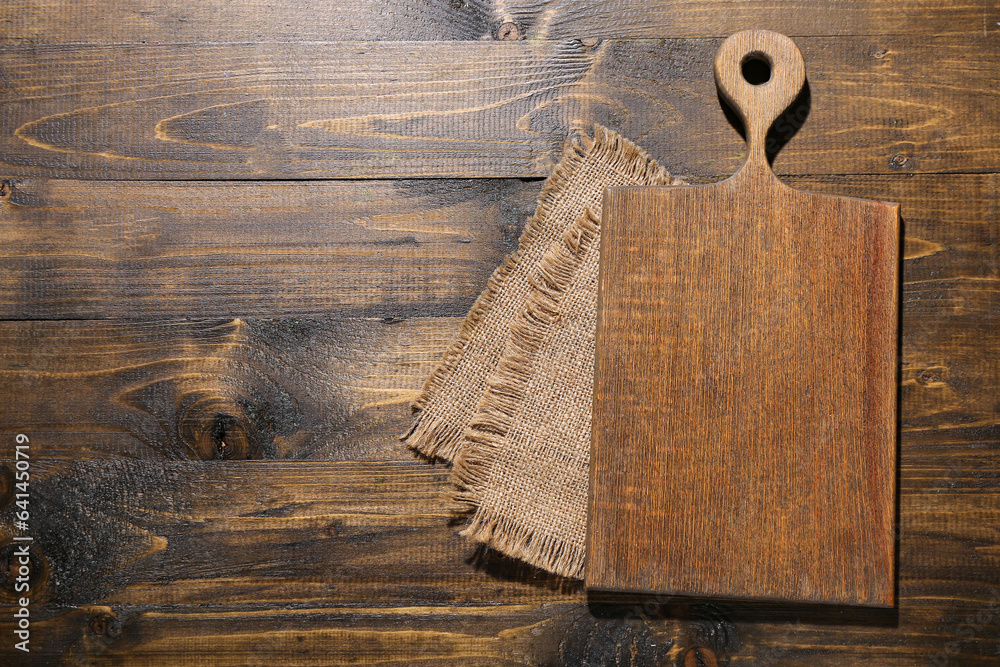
[(387, 248), (169, 530), (176, 390)]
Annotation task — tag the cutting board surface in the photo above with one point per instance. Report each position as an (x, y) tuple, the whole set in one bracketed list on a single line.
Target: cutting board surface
[(744, 438)]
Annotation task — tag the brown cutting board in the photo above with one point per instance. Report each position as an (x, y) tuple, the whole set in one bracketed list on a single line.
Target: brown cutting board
[(744, 424)]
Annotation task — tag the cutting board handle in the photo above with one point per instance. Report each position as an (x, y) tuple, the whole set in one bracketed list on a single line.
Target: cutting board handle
[(743, 61)]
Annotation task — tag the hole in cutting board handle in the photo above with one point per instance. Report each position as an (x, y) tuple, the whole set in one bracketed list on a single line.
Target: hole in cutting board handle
[(756, 69)]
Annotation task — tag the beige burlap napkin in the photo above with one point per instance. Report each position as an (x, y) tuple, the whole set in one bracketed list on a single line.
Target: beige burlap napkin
[(510, 402)]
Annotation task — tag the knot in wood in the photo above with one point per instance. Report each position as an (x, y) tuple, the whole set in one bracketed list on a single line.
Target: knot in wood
[(699, 656), (616, 637), (104, 624), (928, 377), (508, 32), (213, 428), (6, 485), (14, 570), (899, 161), (225, 439)]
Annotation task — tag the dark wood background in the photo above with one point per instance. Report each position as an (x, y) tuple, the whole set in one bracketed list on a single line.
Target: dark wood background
[(259, 222)]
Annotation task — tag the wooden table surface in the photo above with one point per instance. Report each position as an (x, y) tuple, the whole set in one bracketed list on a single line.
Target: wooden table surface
[(259, 223)]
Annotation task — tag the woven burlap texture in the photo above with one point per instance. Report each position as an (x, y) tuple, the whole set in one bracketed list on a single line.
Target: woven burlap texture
[(510, 402)]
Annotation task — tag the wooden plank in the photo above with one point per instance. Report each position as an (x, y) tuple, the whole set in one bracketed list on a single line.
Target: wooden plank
[(333, 533), (179, 21), (334, 389), (557, 19), (257, 21), (398, 109), (286, 389), (484, 635), (326, 555), (210, 250), (551, 634), (386, 249)]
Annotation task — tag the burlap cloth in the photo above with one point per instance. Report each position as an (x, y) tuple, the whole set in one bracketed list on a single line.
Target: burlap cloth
[(510, 402)]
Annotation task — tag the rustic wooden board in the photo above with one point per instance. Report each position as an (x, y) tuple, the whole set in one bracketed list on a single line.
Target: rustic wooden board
[(336, 389), (708, 18), (245, 21), (550, 634), (325, 534), (387, 249), (455, 636), (767, 385), (745, 377), (180, 21), (330, 389), (465, 109), (286, 389), (77, 249), (325, 554)]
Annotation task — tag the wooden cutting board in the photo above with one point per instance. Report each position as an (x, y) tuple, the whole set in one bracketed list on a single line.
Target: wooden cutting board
[(744, 424)]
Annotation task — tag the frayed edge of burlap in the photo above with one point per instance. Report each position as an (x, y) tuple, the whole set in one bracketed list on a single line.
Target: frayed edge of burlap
[(488, 432), (436, 438)]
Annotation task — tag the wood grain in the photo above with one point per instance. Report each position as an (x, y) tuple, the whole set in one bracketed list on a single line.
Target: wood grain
[(332, 389), (178, 21), (322, 533), (324, 555), (275, 561), (224, 250), (745, 378), (476, 108), (232, 389), (338, 388), (242, 21), (452, 636), (555, 19), (79, 249)]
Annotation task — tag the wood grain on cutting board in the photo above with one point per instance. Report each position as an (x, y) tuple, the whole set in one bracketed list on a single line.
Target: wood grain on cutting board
[(745, 389), (745, 381)]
